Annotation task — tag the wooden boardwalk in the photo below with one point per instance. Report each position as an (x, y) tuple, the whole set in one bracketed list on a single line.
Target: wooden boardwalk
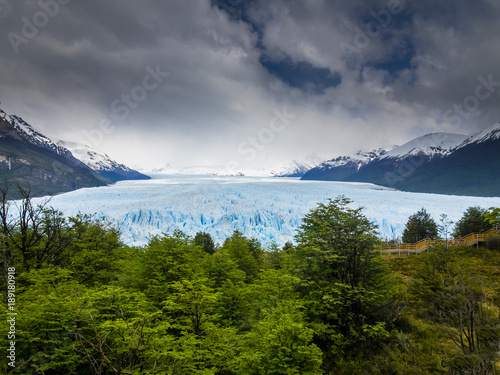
[(423, 245)]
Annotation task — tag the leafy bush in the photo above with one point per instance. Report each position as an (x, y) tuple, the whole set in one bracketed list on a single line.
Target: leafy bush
[(493, 242)]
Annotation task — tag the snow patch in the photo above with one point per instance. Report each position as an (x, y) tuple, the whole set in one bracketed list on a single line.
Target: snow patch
[(491, 133), (359, 158), (434, 144), (95, 160), (297, 168), (29, 133)]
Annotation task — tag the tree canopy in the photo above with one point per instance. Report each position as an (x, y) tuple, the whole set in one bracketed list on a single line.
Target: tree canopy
[(327, 304), (473, 221), (420, 226), (493, 216)]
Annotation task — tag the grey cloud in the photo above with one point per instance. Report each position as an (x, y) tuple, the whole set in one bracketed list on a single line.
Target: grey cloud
[(218, 94)]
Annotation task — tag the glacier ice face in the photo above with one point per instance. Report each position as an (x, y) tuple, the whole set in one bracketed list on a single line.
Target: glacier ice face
[(268, 209)]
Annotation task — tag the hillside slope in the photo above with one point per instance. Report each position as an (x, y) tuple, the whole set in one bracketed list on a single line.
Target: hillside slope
[(31, 161)]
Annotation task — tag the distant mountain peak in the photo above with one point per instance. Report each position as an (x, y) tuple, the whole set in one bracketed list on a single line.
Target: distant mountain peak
[(360, 157), (297, 168), (101, 162)]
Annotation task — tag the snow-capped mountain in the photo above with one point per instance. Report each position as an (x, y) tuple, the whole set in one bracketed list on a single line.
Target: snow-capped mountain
[(359, 158), (25, 132), (102, 163), (33, 162), (294, 169), (373, 166), (297, 168), (490, 134), (435, 163), (471, 168), (344, 166), (79, 154), (430, 145)]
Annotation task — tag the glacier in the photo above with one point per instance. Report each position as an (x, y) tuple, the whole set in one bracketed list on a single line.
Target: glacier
[(269, 209)]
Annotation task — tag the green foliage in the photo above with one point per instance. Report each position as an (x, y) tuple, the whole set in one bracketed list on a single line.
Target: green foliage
[(472, 221), (342, 278), (47, 316), (166, 260), (281, 343), (32, 235), (191, 305), (420, 226), (206, 242), (117, 327), (35, 237), (94, 252), (450, 294), (330, 304), (493, 216), (493, 242), (245, 253), (338, 243)]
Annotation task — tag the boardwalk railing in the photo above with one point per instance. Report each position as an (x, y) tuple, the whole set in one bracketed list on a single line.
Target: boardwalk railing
[(423, 245)]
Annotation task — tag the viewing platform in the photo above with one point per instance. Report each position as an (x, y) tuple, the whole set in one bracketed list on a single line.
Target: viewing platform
[(473, 239)]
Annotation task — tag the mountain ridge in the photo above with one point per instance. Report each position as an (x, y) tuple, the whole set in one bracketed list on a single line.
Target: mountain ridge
[(102, 163), (35, 164), (32, 161), (443, 163)]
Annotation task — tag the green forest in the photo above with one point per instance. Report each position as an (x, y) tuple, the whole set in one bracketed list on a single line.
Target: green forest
[(329, 303)]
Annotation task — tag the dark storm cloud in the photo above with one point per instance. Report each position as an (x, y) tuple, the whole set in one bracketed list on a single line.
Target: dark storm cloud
[(92, 55), (226, 66), (428, 58)]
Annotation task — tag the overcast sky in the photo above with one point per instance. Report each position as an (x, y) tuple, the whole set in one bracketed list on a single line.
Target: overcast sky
[(248, 82)]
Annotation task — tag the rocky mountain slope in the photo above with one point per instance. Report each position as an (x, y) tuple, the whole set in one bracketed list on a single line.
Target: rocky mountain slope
[(31, 161)]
